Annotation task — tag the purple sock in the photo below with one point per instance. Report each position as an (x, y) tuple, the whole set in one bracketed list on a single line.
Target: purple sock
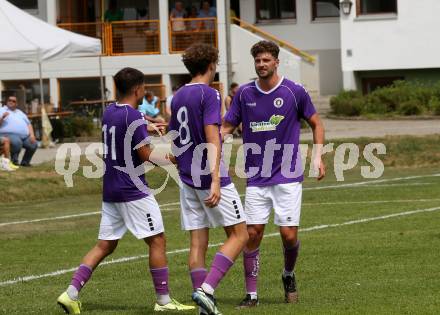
[(219, 268), (160, 280), (81, 276), (290, 255), (197, 277), (251, 263)]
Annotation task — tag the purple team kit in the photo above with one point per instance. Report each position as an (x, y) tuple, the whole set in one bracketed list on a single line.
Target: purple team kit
[(271, 148), (118, 186), (271, 120), (196, 105)]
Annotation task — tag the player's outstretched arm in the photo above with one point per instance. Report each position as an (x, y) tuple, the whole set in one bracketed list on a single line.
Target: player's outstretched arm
[(159, 128), (227, 129), (146, 154), (318, 140), (214, 155)]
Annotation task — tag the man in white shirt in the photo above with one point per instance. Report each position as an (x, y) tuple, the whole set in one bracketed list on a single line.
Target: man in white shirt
[(15, 125)]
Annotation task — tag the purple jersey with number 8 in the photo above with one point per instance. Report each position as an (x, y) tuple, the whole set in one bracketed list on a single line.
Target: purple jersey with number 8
[(193, 107)]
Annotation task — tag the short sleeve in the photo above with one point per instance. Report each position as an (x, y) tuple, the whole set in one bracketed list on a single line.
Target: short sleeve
[(305, 105), (233, 115), (211, 107), (25, 118), (140, 132)]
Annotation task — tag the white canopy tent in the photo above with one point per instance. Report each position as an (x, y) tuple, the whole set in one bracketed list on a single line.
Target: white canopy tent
[(26, 38)]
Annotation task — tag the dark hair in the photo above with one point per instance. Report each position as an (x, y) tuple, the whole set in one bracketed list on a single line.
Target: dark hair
[(233, 85), (127, 79), (198, 57), (175, 88), (265, 46), (203, 2)]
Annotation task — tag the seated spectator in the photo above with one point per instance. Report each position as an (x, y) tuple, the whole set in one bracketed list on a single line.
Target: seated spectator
[(168, 102), (207, 11), (176, 15), (5, 155), (15, 125), (149, 108)]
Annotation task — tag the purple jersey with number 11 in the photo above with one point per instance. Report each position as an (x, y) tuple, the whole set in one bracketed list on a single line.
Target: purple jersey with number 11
[(118, 186), (193, 107), (271, 127)]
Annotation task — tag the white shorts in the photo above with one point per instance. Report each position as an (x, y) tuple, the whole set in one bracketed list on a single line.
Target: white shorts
[(285, 199), (142, 217), (196, 215)]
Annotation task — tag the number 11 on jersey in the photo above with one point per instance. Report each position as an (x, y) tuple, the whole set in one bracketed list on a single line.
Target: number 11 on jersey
[(112, 132)]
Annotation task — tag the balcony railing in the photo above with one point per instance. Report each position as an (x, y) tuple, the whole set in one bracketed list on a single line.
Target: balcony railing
[(97, 30), (184, 32), (122, 37), (252, 28), (143, 37), (134, 37)]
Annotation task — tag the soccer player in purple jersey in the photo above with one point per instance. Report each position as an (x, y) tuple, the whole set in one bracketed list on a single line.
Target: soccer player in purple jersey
[(208, 197), (127, 204), (270, 110)]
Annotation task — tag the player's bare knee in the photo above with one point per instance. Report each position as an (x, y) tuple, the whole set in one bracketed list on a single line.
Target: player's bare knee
[(107, 247), (289, 238), (239, 233), (255, 233), (244, 237), (156, 241)]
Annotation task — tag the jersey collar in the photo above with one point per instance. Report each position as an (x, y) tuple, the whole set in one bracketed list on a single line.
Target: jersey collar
[(273, 89)]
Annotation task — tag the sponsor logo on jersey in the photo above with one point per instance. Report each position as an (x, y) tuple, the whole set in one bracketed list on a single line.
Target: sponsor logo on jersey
[(278, 102), (274, 121), (251, 104)]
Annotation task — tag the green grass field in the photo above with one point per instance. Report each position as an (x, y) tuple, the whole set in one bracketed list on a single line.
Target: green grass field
[(365, 248)]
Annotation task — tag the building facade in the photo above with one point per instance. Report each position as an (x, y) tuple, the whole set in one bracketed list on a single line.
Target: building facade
[(142, 36), (387, 40), (327, 45)]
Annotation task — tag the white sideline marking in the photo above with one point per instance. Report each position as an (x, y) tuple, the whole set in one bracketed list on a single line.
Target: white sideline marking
[(184, 250), (52, 219), (367, 202), (85, 214), (178, 203), (178, 208), (377, 181)]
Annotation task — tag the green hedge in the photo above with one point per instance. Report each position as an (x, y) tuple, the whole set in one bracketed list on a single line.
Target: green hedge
[(402, 98), (78, 126)]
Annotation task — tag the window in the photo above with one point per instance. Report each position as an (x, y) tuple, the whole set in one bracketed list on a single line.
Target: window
[(376, 6), (325, 8), (371, 84), (25, 4), (275, 9)]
